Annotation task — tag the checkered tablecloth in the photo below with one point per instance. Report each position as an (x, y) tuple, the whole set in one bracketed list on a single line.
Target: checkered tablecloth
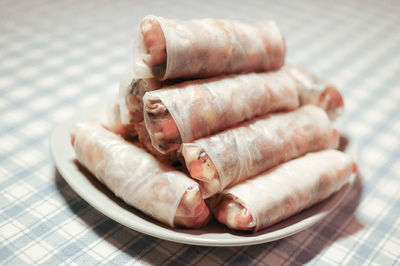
[(59, 57)]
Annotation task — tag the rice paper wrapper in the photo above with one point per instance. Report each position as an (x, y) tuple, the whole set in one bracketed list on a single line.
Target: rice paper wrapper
[(253, 147), (293, 186), (130, 97), (317, 91), (144, 139), (203, 107), (211, 47), (125, 88), (130, 172)]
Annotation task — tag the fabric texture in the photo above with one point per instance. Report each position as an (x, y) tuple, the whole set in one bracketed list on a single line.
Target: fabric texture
[(59, 57)]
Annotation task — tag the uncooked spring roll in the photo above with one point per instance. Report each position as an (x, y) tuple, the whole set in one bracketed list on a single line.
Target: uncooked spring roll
[(195, 109), (312, 91), (168, 48), (131, 92), (229, 157), (316, 91), (135, 132), (145, 141), (138, 178), (285, 190)]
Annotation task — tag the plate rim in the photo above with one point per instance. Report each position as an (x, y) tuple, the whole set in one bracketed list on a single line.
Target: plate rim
[(65, 166)]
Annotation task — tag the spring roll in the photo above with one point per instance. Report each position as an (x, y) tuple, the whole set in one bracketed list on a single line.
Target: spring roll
[(136, 177), (145, 142), (133, 131), (316, 91), (195, 109), (131, 92), (284, 191), (168, 48), (229, 157)]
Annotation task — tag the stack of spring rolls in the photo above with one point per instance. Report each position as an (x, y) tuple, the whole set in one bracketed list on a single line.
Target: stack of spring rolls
[(210, 122)]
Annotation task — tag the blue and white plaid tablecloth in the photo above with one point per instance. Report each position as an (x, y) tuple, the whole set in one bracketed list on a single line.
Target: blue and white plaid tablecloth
[(58, 57)]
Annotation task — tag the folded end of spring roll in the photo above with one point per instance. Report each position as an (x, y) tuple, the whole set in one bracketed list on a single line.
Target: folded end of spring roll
[(192, 211), (161, 126), (144, 139), (284, 191), (138, 178), (201, 168), (234, 215), (131, 92), (150, 49), (316, 91), (331, 101)]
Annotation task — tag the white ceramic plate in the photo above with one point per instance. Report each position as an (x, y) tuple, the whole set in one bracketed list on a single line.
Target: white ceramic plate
[(215, 234)]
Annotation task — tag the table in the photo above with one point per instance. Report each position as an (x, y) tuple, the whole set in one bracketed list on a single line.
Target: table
[(59, 57)]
